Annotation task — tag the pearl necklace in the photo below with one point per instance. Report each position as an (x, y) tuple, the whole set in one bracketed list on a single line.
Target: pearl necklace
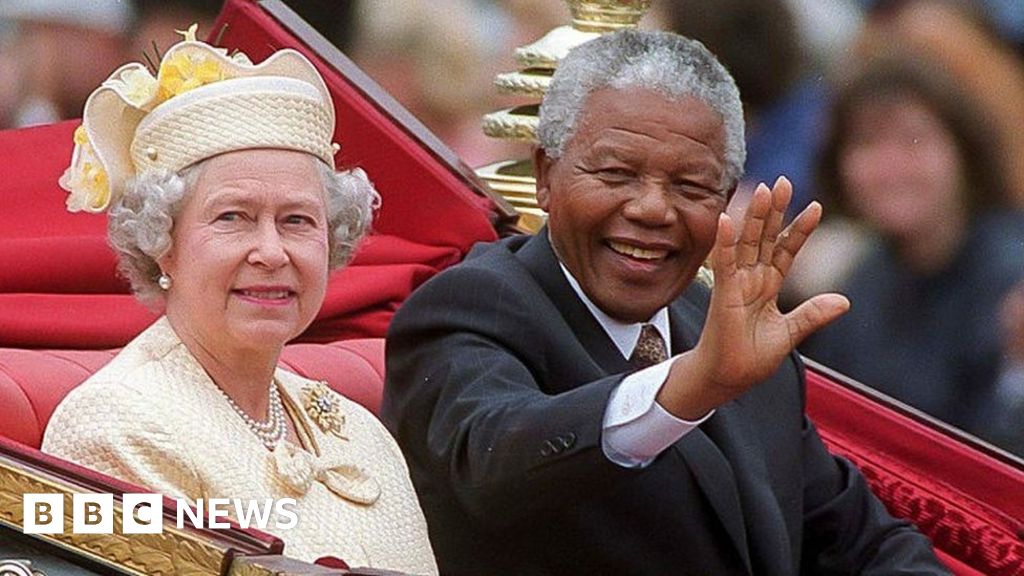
[(273, 430)]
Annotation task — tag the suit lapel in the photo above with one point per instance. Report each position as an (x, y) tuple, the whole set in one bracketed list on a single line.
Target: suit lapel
[(709, 467), (706, 462), (539, 258)]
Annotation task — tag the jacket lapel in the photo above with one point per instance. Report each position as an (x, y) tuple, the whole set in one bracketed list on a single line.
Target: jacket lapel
[(706, 462), (539, 258), (709, 467)]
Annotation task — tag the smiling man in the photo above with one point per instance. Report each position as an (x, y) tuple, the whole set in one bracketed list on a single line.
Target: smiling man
[(575, 403)]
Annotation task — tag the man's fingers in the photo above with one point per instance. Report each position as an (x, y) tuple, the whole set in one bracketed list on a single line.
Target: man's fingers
[(793, 237), (782, 193), (815, 314), (753, 226), (723, 258)]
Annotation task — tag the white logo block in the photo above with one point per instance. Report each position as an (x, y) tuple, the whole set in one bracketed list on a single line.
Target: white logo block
[(143, 514), (92, 513), (43, 514)]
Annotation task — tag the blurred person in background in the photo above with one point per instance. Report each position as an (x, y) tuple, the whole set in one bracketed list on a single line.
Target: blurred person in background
[(910, 157), (80, 42), (526, 21), (63, 49), (760, 43), (1009, 20), (439, 60), (10, 72), (1004, 17), (157, 21), (334, 19), (1003, 410), (433, 59), (827, 28), (958, 35)]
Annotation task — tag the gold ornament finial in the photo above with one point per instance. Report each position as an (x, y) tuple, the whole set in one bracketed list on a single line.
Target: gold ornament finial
[(606, 15)]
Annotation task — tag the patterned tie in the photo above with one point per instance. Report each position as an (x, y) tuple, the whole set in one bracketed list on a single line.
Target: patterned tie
[(650, 349)]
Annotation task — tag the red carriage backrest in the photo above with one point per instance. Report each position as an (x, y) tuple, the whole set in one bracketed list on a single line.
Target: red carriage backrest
[(967, 497)]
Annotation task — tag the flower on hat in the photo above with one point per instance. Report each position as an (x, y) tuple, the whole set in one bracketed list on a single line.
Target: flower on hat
[(140, 86), (190, 34), (135, 85), (185, 71), (105, 157), (85, 179)]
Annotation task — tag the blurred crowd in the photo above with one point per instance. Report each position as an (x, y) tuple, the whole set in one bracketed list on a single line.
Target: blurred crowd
[(902, 117)]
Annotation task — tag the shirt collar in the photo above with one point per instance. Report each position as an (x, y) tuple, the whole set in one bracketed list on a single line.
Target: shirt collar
[(624, 335)]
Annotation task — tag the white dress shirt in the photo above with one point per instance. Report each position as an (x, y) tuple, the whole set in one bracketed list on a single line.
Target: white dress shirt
[(636, 428)]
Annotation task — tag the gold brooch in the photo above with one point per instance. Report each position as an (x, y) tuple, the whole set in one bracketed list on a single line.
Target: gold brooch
[(323, 407)]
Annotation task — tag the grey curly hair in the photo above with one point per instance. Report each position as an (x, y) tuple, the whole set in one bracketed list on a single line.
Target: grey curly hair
[(140, 222), (667, 63)]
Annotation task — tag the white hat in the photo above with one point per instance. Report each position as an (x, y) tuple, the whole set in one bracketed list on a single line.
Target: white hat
[(201, 103)]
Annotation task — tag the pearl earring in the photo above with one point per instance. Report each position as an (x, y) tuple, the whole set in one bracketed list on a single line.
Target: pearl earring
[(164, 282)]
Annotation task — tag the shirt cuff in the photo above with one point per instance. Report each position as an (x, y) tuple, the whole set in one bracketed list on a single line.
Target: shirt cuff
[(636, 428)]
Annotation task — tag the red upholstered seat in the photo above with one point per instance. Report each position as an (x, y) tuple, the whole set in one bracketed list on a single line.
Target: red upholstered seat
[(33, 382), (968, 498)]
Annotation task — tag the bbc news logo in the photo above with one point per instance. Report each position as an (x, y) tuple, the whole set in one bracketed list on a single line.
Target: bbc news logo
[(143, 513)]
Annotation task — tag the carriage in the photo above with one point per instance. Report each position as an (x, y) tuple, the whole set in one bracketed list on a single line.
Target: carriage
[(64, 312)]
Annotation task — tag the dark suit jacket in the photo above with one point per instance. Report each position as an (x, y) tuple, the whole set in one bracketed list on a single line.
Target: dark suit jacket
[(497, 382)]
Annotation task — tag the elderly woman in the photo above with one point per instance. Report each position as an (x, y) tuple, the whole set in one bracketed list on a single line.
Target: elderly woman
[(224, 206)]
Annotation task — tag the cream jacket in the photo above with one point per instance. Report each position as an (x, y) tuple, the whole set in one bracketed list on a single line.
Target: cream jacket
[(153, 417)]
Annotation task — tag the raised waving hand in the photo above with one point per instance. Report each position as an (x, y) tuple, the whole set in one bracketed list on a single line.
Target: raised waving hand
[(746, 336)]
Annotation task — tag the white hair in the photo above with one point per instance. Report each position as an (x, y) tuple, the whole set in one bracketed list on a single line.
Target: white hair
[(140, 222), (670, 64)]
